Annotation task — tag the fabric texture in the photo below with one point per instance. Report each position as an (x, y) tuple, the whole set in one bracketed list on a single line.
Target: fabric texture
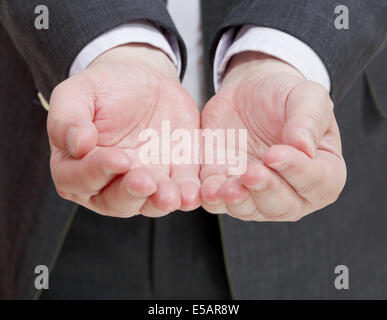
[(73, 24), (175, 257), (345, 53), (134, 32), (271, 42), (33, 219)]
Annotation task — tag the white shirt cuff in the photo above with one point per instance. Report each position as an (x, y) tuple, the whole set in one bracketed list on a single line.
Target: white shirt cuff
[(139, 32), (272, 42)]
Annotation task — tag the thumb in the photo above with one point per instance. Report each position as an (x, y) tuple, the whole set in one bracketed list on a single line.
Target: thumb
[(70, 119), (309, 112)]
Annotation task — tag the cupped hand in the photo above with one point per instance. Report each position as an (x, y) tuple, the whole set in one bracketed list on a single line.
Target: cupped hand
[(94, 125), (295, 164)]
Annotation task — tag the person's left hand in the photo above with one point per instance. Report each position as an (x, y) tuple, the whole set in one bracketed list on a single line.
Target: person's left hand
[(295, 163)]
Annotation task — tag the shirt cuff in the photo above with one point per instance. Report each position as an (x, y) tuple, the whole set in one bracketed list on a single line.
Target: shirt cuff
[(139, 32), (272, 42)]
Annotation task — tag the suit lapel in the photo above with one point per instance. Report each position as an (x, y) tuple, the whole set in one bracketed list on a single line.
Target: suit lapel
[(376, 77), (33, 218)]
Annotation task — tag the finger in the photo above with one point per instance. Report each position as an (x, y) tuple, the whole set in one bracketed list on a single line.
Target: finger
[(319, 180), (70, 118), (211, 199), (238, 200), (212, 177), (275, 199), (309, 111), (187, 180), (87, 176), (166, 199), (125, 196)]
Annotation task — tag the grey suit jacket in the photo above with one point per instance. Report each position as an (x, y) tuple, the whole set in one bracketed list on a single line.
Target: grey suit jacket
[(263, 260)]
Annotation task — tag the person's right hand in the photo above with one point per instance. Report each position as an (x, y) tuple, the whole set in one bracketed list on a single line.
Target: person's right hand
[(94, 123)]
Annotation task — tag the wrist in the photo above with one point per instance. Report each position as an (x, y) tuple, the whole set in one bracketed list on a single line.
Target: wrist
[(257, 65), (139, 53)]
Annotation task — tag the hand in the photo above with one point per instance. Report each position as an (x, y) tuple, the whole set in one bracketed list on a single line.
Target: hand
[(94, 124), (295, 164)]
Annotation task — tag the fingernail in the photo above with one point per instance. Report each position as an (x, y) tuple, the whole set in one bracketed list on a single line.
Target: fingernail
[(109, 172), (71, 140), (311, 145), (213, 203), (279, 165), (134, 194), (259, 186)]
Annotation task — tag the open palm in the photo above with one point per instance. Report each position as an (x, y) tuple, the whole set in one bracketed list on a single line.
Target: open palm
[(295, 165), (95, 123)]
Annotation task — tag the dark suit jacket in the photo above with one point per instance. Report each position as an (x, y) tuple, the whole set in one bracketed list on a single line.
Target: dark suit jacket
[(263, 260)]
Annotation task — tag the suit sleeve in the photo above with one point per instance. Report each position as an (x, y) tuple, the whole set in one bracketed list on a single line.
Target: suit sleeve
[(72, 25), (345, 52)]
